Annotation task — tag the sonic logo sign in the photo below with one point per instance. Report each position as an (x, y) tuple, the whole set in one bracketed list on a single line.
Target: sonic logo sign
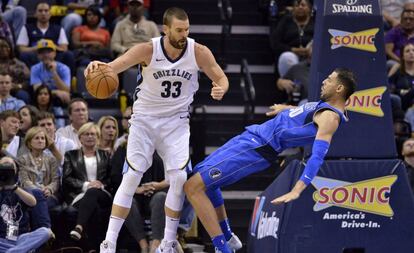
[(263, 224), (362, 40), (367, 101), (370, 196)]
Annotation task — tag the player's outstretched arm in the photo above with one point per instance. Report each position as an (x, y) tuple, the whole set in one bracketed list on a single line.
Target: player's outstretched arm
[(208, 64), (137, 54), (328, 122)]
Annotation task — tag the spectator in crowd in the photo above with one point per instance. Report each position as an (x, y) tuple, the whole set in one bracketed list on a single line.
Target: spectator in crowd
[(108, 127), (30, 35), (47, 121), (126, 116), (408, 154), (6, 33), (391, 12), (28, 118), (402, 80), (296, 81), (86, 173), (18, 71), (398, 36), (150, 198), (133, 29), (10, 125), (43, 101), (39, 174), (13, 14), (73, 19), (90, 41), (53, 73), (78, 115), (292, 34), (15, 202), (7, 101)]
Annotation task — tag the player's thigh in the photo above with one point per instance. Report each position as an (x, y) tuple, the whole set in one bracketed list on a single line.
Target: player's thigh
[(173, 145), (140, 148), (231, 165)]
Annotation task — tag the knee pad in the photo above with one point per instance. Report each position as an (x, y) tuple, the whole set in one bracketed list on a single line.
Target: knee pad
[(215, 197), (126, 190), (175, 195)]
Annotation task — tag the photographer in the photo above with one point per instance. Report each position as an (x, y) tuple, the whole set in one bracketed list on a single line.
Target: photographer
[(54, 74), (15, 235)]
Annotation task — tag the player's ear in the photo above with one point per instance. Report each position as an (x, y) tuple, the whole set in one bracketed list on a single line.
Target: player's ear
[(165, 29), (340, 88)]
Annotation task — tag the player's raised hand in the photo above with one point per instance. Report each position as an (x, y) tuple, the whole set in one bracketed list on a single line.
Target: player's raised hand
[(275, 109), (292, 195), (217, 92), (94, 65)]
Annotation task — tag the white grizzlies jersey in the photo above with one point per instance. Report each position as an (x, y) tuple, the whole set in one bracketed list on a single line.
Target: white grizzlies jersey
[(167, 87)]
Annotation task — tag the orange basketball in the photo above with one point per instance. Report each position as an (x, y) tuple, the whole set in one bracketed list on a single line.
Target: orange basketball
[(102, 83)]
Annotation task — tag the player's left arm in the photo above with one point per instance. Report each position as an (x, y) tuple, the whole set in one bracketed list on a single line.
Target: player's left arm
[(328, 122), (208, 64)]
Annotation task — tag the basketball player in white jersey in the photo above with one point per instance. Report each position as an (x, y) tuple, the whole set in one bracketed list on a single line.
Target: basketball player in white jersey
[(160, 119)]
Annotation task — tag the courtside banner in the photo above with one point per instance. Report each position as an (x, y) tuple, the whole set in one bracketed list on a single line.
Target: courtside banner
[(365, 204), (349, 33)]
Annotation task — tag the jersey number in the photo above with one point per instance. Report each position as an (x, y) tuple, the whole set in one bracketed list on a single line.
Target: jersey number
[(176, 86)]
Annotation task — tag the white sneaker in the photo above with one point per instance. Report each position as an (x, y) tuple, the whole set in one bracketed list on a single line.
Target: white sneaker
[(169, 247), (107, 247), (234, 243)]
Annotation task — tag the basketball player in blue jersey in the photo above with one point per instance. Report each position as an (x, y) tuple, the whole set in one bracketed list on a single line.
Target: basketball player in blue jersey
[(160, 119), (257, 147)]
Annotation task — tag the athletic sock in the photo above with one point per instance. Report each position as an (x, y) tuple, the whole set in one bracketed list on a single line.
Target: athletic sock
[(114, 226), (225, 227), (220, 243), (171, 225)]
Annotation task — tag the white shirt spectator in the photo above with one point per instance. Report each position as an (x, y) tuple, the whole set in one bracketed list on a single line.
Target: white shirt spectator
[(70, 133), (23, 39)]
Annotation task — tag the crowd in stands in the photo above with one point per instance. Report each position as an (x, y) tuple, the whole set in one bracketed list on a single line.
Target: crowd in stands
[(65, 161)]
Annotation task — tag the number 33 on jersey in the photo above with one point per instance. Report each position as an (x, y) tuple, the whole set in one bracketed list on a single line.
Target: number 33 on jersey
[(167, 86)]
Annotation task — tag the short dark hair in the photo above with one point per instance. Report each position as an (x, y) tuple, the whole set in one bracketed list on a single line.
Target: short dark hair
[(74, 100), (347, 78), (45, 115), (174, 12), (33, 111), (9, 113), (42, 2), (95, 11)]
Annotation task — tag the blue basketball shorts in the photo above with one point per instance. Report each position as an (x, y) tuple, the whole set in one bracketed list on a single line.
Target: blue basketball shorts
[(241, 156)]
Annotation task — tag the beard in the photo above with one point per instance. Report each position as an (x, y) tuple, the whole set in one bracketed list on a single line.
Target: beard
[(178, 44)]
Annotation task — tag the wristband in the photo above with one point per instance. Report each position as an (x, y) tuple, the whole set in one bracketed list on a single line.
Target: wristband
[(14, 188)]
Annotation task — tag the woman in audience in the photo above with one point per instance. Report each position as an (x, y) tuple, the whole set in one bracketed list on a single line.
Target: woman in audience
[(43, 100), (108, 126), (28, 115), (86, 173), (39, 173), (90, 41), (19, 72), (402, 81), (292, 34)]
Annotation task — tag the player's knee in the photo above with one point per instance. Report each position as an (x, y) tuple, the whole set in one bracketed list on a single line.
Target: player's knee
[(177, 179), (193, 185), (126, 190)]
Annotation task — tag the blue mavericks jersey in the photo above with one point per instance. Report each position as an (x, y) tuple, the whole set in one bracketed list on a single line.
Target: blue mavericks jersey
[(292, 127)]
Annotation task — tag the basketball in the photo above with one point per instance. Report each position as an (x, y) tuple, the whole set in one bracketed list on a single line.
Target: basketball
[(102, 83)]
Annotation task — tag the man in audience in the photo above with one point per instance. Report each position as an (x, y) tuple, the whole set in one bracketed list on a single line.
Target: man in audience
[(59, 144), (133, 29), (398, 36), (408, 154), (43, 29), (54, 74), (15, 234), (8, 102), (9, 125), (126, 115), (78, 115)]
